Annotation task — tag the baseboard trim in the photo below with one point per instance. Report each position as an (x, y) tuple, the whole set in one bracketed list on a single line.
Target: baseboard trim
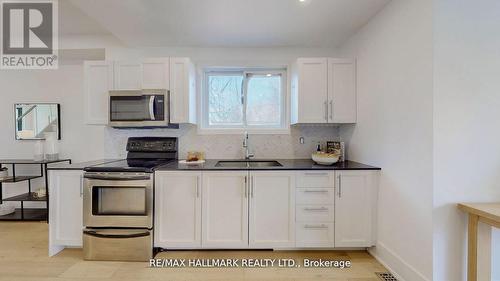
[(395, 264)]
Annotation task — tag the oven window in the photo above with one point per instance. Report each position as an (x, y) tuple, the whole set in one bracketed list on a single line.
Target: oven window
[(137, 108), (119, 201)]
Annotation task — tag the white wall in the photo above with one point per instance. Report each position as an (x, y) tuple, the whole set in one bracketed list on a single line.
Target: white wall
[(394, 130), (64, 86), (466, 123)]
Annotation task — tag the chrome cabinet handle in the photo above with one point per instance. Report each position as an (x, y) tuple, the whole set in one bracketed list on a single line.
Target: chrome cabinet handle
[(322, 209), (326, 110), (316, 226), (340, 186), (315, 191), (331, 110), (197, 186), (81, 185), (246, 189), (316, 174), (252, 182)]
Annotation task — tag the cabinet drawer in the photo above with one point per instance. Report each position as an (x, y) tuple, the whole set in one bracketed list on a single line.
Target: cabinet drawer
[(314, 234), (324, 196), (315, 179), (314, 213)]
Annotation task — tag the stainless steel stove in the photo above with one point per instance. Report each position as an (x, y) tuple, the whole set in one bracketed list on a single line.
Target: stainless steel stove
[(118, 201)]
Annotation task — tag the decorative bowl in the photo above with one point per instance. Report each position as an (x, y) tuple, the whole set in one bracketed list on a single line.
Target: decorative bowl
[(323, 158)]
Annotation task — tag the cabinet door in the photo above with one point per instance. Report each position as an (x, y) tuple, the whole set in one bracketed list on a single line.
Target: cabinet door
[(312, 90), (156, 73), (98, 80), (342, 105), (225, 210), (178, 209), (182, 91), (128, 75), (272, 210), (65, 212), (355, 208)]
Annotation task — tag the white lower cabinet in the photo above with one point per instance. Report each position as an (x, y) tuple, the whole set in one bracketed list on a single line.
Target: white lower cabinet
[(265, 209), (272, 210), (225, 210), (355, 208), (336, 209), (177, 210), (65, 212)]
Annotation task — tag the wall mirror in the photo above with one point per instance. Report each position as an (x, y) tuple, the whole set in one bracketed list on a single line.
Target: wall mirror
[(34, 120)]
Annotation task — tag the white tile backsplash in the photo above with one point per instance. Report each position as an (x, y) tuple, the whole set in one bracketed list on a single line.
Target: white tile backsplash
[(283, 146)]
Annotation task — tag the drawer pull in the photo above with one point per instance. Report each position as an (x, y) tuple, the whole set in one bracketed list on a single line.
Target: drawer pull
[(322, 209), (320, 226), (315, 191), (316, 174)]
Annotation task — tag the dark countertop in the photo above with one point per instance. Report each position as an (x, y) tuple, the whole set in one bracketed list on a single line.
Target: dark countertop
[(81, 165), (287, 164)]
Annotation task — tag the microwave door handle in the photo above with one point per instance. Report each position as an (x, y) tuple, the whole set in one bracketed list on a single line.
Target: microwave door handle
[(152, 108)]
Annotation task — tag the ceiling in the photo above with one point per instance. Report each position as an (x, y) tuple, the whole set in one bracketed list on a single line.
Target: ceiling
[(73, 21), (219, 23)]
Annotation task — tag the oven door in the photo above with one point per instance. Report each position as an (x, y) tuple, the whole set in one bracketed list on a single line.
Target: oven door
[(118, 200), (131, 108)]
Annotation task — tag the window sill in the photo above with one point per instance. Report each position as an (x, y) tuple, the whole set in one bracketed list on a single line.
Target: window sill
[(219, 131)]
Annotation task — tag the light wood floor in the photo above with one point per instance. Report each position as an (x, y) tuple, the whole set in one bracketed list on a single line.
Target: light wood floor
[(23, 257)]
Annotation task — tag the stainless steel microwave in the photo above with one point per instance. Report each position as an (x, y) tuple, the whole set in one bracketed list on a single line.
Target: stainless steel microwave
[(139, 108)]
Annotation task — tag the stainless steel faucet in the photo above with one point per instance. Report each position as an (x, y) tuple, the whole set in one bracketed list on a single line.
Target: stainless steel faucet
[(248, 155)]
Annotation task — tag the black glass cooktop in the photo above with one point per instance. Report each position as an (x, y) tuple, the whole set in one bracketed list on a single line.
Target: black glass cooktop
[(130, 165)]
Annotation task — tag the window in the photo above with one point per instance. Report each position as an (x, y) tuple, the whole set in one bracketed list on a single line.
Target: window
[(244, 100)]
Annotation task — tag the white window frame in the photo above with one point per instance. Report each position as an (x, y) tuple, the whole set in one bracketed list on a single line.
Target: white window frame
[(205, 128)]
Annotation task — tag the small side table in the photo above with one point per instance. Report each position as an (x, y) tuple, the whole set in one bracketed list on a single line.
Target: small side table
[(23, 214), (488, 213)]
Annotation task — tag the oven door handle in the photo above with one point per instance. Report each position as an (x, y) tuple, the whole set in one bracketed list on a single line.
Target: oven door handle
[(121, 178), (103, 235)]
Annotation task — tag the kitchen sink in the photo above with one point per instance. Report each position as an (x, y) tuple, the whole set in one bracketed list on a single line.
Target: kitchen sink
[(232, 164), (248, 164), (260, 164)]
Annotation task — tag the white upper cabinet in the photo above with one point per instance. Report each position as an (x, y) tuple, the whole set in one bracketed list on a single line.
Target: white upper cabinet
[(355, 208), (272, 210), (177, 75), (178, 209), (151, 73), (156, 73), (323, 91), (342, 91), (98, 81), (182, 91), (128, 75), (225, 210), (310, 91)]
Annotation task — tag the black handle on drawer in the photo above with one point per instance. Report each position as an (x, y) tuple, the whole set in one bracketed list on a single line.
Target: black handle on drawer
[(102, 235)]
